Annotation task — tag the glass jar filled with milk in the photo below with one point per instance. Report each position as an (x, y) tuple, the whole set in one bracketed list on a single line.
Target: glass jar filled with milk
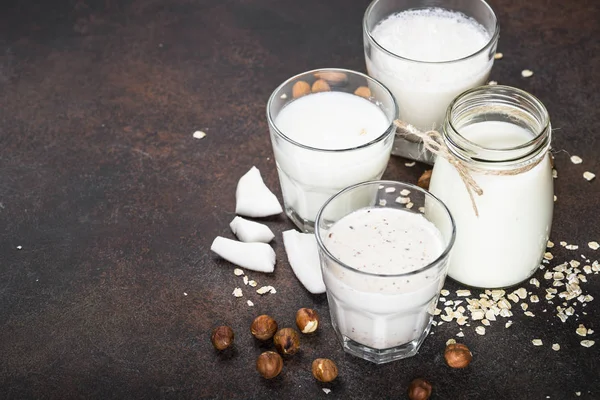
[(330, 128), (427, 52), (502, 136)]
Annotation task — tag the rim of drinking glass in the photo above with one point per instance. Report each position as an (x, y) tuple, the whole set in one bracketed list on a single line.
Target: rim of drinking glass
[(427, 193), (390, 129), (493, 37), (501, 89)]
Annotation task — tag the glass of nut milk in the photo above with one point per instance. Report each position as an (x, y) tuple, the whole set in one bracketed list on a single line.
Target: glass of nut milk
[(330, 128), (384, 263), (502, 136), (427, 52)]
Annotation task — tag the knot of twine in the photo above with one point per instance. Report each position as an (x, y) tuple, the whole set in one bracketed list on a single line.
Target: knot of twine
[(434, 142)]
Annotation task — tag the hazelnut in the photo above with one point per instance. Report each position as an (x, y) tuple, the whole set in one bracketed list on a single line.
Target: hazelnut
[(363, 91), (324, 370), (222, 337), (269, 364), (263, 327), (424, 179), (300, 89), (458, 355), (332, 77), (287, 341), (419, 389), (320, 85), (307, 320)]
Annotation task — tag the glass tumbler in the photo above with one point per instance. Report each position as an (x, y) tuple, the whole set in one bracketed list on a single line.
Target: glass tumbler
[(309, 173), (424, 89), (383, 316)]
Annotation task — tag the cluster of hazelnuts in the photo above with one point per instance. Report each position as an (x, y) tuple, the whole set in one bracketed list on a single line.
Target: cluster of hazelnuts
[(286, 340)]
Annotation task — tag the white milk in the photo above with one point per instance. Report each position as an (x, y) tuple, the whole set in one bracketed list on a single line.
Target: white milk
[(424, 87), (331, 121), (505, 245), (383, 311)]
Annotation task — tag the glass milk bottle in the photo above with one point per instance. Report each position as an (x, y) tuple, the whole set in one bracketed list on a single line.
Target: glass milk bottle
[(501, 135)]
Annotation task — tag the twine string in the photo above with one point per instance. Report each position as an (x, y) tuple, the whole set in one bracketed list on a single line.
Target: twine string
[(434, 142)]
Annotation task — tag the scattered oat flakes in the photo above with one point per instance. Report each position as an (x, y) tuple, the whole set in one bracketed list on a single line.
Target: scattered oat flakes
[(508, 324), (460, 334), (410, 164), (537, 342), (571, 247), (238, 272), (555, 198), (480, 330), (463, 293), (524, 306), (587, 343), (237, 292), (521, 292), (492, 83), (588, 176), (199, 135), (382, 202), (245, 280), (577, 394), (576, 160), (550, 244), (444, 292), (19, 247), (498, 56), (450, 341), (250, 304), (327, 391), (548, 256), (563, 243), (554, 173), (534, 299), (390, 190), (526, 73), (421, 209), (405, 192), (409, 205), (529, 314), (556, 347), (594, 245), (252, 283), (184, 293)]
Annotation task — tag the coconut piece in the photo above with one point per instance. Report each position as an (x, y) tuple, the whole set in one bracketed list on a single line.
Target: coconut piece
[(303, 255), (254, 256), (253, 197), (250, 231)]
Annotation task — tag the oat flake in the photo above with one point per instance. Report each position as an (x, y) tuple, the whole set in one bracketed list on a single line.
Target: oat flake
[(594, 245), (537, 342), (588, 176), (410, 164), (526, 73), (199, 135), (250, 304), (480, 330), (238, 272), (556, 347), (587, 343), (237, 292), (576, 160)]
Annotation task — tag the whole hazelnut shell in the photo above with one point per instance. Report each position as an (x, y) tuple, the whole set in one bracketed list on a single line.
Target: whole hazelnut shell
[(222, 337), (287, 341), (419, 389), (324, 370), (269, 364), (307, 320), (263, 327), (424, 179), (458, 355)]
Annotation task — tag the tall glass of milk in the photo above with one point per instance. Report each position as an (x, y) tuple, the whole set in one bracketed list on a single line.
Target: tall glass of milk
[(330, 128), (384, 262), (502, 136), (427, 52)]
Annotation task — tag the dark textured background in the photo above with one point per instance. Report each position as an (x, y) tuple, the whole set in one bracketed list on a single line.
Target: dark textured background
[(115, 204)]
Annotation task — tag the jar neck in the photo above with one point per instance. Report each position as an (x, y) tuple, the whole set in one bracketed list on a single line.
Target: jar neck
[(515, 128)]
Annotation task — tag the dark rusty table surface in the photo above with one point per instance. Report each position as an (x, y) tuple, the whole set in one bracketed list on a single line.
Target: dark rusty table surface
[(108, 205)]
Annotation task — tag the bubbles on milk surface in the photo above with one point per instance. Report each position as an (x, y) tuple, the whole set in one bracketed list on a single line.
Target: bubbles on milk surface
[(431, 35)]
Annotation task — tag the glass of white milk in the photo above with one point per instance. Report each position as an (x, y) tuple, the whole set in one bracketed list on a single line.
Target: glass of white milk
[(502, 136), (427, 52), (326, 137), (384, 262)]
